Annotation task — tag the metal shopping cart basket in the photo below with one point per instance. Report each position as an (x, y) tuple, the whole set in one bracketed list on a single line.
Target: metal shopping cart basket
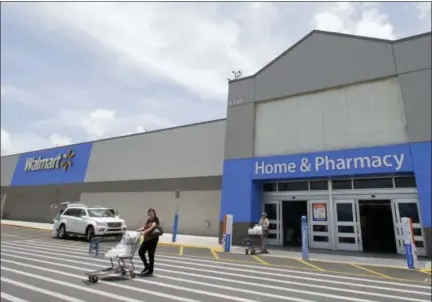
[(253, 240), (123, 251)]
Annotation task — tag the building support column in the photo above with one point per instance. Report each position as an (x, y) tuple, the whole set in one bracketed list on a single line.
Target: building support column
[(3, 203)]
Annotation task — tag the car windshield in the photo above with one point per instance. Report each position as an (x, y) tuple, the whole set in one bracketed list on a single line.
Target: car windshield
[(100, 213)]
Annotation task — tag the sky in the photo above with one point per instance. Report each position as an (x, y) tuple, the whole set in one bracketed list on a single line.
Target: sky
[(74, 72)]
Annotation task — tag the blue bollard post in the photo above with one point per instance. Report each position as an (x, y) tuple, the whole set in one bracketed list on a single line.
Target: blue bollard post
[(304, 236), (175, 227), (227, 246)]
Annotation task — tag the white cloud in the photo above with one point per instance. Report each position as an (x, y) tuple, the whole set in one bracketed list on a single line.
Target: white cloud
[(140, 129), (12, 143), (59, 140), (189, 44), (99, 122), (424, 15), (103, 123), (352, 18), (6, 143), (424, 10)]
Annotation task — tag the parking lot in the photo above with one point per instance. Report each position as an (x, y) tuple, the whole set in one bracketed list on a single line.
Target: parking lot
[(37, 268)]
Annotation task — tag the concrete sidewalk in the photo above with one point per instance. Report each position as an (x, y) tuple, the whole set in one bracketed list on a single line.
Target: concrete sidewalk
[(166, 238), (398, 261)]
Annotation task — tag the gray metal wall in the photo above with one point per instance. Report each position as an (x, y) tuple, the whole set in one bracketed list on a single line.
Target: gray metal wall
[(190, 151), (327, 60), (198, 210), (33, 203), (8, 164), (413, 62)]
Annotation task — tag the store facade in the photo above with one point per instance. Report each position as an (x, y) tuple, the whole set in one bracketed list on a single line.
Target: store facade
[(337, 128)]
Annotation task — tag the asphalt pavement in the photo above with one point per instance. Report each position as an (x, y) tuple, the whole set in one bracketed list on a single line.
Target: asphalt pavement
[(37, 268)]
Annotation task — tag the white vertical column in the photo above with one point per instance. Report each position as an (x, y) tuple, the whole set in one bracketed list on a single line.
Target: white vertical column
[(331, 217)]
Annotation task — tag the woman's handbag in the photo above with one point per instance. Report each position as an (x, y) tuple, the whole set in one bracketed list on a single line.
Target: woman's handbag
[(158, 231)]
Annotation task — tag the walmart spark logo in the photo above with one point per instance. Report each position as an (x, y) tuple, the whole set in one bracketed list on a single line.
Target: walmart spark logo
[(62, 161), (67, 159)]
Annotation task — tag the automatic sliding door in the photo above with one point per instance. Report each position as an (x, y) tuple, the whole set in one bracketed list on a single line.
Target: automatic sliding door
[(318, 224), (274, 215), (348, 231), (407, 208)]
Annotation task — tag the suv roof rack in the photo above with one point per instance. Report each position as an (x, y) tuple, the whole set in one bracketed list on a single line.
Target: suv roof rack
[(76, 205)]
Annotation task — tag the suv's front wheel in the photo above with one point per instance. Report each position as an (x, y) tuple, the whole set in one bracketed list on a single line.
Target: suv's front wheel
[(90, 233), (62, 232)]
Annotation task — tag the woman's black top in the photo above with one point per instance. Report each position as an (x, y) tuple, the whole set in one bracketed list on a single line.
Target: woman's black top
[(149, 223)]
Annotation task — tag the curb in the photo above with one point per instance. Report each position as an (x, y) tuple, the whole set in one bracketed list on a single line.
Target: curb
[(22, 226), (196, 246)]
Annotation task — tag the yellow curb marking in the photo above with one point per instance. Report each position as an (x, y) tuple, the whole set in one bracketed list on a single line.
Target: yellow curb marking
[(372, 271), (181, 251), (215, 254), (426, 271), (260, 260), (311, 265)]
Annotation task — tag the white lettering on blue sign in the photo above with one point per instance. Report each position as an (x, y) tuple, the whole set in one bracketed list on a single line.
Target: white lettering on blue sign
[(40, 163), (325, 163)]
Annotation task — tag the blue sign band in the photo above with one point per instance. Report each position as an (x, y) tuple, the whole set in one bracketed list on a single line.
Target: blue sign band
[(386, 159), (53, 166)]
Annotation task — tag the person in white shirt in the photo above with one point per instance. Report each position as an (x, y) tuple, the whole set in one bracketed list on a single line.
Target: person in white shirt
[(264, 223)]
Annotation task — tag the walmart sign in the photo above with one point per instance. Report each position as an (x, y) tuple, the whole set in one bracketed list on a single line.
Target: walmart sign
[(62, 160), (53, 166), (388, 159)]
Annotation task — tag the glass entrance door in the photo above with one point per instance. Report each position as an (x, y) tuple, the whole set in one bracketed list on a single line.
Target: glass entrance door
[(348, 231), (407, 208), (318, 224), (274, 215)]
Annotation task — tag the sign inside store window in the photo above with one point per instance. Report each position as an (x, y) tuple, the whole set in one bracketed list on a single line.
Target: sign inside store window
[(235, 102), (319, 212)]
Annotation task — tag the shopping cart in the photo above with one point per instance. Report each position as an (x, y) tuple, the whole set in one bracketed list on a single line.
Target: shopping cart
[(123, 251), (253, 240)]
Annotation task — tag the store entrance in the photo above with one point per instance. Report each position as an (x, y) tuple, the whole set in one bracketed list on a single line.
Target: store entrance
[(377, 226), (292, 211)]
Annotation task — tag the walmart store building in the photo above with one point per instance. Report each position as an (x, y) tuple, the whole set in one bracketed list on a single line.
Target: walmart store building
[(337, 128)]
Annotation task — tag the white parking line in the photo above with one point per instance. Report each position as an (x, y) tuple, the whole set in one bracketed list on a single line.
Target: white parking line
[(177, 298), (234, 280), (39, 290), (11, 298), (180, 280), (244, 268), (83, 288)]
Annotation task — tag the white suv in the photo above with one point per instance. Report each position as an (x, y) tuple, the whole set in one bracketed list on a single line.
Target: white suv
[(80, 220)]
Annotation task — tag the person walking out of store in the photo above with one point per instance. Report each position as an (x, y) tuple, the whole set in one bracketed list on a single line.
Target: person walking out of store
[(150, 242), (264, 223)]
